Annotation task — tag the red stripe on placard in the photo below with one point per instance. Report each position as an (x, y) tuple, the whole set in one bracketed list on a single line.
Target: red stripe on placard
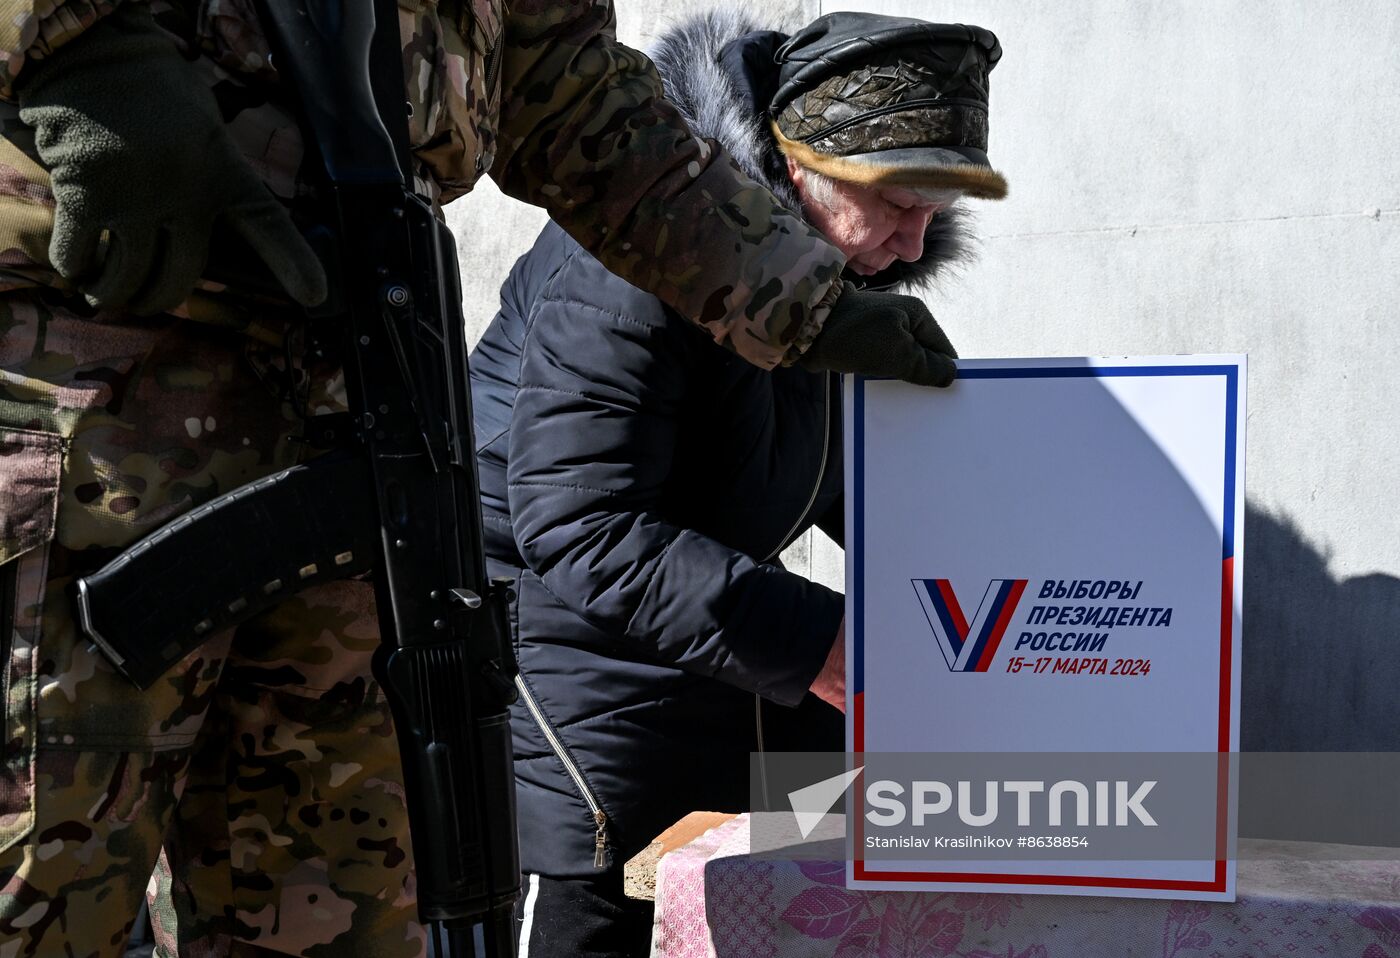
[(1227, 656), (945, 589), (1227, 648), (857, 802), (858, 722), (990, 650)]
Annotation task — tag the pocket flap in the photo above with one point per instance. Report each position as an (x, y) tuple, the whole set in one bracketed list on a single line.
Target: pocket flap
[(480, 23), (30, 466)]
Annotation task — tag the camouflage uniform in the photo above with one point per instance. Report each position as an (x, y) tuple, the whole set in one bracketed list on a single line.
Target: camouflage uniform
[(262, 770)]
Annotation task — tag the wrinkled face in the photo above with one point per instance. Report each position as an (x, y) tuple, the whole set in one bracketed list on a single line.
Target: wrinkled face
[(873, 226)]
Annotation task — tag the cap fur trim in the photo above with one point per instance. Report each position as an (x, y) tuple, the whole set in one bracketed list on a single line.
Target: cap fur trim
[(974, 180)]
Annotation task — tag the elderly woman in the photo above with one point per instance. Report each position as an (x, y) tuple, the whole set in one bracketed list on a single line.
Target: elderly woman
[(638, 480)]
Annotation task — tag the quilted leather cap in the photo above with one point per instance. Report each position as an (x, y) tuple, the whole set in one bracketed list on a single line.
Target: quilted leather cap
[(889, 101)]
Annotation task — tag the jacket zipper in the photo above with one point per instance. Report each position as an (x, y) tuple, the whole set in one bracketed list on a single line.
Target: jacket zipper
[(600, 818), (493, 62), (816, 489), (9, 584), (821, 469)]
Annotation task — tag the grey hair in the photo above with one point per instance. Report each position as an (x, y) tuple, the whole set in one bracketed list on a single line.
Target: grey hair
[(820, 188)]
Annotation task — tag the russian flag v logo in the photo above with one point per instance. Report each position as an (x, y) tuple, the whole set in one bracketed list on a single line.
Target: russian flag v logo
[(968, 645)]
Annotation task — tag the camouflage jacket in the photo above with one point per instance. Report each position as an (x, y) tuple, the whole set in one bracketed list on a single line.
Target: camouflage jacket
[(538, 94)]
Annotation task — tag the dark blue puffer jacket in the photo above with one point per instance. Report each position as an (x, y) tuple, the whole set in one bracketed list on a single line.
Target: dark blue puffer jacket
[(638, 482), (636, 479)]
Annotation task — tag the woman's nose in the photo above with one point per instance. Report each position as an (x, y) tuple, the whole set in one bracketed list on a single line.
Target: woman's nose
[(907, 241)]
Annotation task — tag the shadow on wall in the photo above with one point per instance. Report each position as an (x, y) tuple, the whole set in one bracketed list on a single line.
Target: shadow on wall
[(1321, 660)]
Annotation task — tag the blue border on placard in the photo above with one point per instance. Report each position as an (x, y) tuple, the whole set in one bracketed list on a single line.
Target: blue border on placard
[(1230, 372)]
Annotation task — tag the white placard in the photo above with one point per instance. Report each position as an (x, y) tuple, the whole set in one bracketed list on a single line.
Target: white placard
[(1088, 484)]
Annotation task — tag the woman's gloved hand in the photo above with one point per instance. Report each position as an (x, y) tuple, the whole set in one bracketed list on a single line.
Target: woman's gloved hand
[(142, 167), (885, 335)]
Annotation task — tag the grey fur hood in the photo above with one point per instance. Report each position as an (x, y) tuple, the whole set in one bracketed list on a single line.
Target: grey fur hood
[(718, 71)]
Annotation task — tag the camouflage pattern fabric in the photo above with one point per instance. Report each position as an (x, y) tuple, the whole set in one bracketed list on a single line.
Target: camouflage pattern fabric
[(268, 754), (539, 93), (265, 760)]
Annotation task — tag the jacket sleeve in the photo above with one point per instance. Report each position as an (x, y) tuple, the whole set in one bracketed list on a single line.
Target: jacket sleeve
[(33, 29), (591, 446), (586, 134)]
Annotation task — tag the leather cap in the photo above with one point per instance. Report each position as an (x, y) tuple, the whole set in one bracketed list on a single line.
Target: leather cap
[(889, 101)]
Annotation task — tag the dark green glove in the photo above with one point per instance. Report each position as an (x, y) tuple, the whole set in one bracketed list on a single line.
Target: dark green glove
[(883, 334), (142, 167)]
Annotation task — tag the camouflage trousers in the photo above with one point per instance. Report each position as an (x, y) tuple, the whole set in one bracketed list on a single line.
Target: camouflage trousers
[(262, 770)]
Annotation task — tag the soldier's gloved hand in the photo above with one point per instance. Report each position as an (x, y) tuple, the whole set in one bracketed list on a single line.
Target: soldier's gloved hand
[(142, 166), (883, 334)]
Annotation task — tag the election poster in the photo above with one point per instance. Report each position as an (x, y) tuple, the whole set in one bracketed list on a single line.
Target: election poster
[(1044, 572)]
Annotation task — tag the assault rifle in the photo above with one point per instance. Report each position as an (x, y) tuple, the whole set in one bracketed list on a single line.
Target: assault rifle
[(397, 496)]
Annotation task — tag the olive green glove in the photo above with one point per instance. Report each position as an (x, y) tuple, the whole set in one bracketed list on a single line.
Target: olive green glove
[(883, 334), (142, 167)]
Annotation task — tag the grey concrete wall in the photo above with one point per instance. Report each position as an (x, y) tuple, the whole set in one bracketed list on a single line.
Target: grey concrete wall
[(1188, 177)]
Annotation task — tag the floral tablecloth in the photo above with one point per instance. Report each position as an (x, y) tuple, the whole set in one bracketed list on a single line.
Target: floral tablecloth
[(714, 901)]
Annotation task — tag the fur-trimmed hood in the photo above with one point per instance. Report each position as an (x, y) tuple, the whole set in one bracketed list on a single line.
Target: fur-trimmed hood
[(718, 70)]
